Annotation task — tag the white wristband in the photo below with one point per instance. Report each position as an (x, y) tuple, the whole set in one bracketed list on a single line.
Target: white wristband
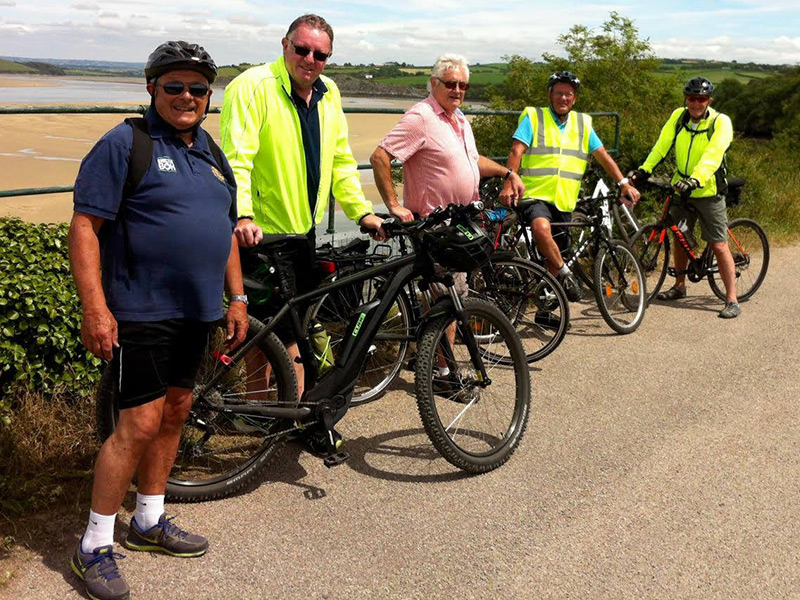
[(623, 181)]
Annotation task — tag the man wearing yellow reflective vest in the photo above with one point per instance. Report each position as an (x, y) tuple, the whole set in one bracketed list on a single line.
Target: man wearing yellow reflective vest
[(285, 135), (550, 151), (700, 136)]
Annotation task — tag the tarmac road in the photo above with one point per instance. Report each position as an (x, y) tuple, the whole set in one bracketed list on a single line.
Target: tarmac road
[(662, 464)]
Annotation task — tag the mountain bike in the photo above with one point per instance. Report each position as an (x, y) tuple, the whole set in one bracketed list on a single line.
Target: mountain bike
[(246, 401), (746, 239), (615, 278)]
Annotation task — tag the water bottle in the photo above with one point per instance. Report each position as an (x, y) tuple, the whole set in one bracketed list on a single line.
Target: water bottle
[(322, 347), (687, 233)]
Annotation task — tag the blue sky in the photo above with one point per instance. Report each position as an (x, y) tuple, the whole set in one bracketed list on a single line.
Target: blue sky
[(414, 31)]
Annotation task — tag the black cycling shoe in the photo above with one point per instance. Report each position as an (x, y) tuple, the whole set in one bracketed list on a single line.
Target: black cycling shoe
[(572, 287)]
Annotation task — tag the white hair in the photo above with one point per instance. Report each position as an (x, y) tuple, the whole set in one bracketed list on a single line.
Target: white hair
[(446, 62)]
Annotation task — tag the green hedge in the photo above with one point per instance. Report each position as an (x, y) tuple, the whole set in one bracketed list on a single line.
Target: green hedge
[(40, 341)]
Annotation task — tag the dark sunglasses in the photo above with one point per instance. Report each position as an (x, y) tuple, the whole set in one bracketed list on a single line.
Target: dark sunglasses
[(303, 51), (697, 98), (451, 85), (176, 88)]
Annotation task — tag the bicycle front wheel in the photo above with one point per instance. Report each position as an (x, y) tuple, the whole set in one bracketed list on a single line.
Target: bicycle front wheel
[(222, 453), (531, 298), (651, 247), (386, 356), (583, 266), (475, 425), (619, 287), (750, 250)]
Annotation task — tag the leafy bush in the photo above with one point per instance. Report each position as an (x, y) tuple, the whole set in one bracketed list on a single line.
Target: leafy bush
[(40, 347)]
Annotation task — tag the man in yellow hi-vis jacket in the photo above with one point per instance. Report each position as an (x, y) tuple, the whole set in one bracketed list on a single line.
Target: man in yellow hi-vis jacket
[(284, 133), (700, 136), (551, 148)]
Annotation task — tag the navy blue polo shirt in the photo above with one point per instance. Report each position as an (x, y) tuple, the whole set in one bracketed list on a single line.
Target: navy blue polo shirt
[(309, 127), (179, 224)]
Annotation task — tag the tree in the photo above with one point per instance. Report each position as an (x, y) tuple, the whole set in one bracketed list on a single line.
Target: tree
[(618, 74)]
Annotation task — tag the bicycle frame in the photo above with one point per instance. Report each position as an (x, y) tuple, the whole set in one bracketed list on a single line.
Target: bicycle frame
[(330, 393)]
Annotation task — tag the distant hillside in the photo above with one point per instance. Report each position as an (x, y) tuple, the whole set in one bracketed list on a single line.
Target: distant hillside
[(64, 66), (7, 66)]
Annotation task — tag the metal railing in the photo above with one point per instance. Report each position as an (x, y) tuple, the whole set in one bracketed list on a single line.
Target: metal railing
[(141, 109)]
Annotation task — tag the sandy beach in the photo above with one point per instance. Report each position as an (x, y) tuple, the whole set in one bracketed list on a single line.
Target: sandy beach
[(46, 150)]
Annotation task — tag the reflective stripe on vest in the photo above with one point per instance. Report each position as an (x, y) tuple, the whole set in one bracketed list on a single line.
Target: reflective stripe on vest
[(553, 165)]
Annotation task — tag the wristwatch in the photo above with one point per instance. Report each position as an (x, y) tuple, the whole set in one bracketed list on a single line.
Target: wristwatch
[(507, 175), (240, 298), (623, 181)]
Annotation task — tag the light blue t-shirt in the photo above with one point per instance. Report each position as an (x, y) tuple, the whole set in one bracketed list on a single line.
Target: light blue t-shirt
[(524, 132)]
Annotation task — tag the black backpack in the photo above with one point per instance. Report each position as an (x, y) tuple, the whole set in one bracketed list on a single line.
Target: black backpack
[(138, 165)]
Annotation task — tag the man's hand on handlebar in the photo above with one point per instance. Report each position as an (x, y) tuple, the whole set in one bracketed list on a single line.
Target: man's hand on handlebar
[(373, 223), (248, 234), (513, 190), (629, 194), (401, 212), (685, 186)]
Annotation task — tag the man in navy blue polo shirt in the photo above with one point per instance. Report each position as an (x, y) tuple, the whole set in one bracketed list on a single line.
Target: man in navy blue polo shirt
[(150, 265)]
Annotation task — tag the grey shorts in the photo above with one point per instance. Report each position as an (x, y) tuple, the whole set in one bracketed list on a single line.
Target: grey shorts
[(713, 217)]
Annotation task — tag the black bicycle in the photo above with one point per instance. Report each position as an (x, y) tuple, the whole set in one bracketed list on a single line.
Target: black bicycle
[(615, 276), (246, 401), (746, 239)]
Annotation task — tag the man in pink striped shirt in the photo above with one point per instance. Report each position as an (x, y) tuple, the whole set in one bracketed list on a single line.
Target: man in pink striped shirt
[(434, 141)]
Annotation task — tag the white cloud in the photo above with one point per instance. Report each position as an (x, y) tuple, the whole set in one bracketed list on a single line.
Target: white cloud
[(365, 45), (7, 3), (85, 6)]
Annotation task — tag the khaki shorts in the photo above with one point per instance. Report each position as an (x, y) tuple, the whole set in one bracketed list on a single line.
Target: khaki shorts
[(459, 279), (713, 217)]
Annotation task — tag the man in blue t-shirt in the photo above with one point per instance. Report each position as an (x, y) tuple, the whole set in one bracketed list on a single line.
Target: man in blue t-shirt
[(552, 166), (150, 264)]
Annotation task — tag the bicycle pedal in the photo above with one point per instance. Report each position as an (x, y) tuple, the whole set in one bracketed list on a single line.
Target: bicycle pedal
[(335, 459)]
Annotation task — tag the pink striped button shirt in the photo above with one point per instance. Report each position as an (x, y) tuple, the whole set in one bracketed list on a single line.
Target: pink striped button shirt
[(439, 156)]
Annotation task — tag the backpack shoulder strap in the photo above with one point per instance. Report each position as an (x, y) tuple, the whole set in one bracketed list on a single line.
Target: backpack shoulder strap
[(141, 155), (216, 152)]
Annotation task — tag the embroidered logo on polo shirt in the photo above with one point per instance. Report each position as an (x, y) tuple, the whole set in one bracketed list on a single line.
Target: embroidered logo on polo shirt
[(165, 164), (217, 174)]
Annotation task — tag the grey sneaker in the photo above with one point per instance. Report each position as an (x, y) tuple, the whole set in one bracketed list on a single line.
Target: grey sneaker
[(572, 287), (731, 311), (99, 573), (165, 537)]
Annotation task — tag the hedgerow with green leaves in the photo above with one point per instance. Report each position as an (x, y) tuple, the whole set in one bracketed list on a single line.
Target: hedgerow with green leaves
[(40, 342)]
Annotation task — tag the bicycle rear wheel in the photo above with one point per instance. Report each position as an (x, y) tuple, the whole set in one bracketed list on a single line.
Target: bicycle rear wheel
[(222, 453), (333, 312), (474, 425), (651, 247), (619, 287), (531, 298), (750, 250)]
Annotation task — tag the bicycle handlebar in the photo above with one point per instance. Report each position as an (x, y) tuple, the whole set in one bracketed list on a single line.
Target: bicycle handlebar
[(393, 226)]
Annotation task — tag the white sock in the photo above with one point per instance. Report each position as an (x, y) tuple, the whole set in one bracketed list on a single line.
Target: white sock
[(99, 532), (564, 270), (443, 371), (148, 510)]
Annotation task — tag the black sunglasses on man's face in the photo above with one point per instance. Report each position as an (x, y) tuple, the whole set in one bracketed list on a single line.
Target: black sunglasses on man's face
[(176, 88), (303, 51)]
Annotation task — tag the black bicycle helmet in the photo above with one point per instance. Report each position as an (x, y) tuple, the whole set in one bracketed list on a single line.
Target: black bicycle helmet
[(176, 56), (461, 246), (698, 86), (564, 77)]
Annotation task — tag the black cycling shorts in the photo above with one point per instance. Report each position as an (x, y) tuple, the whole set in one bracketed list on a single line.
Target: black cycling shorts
[(154, 355), (539, 209)]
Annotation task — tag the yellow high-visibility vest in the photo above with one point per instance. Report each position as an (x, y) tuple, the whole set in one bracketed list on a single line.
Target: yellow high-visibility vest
[(553, 165)]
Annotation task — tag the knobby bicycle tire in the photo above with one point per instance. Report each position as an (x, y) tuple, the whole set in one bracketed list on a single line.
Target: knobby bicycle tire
[(390, 346), (530, 297), (621, 300), (651, 244), (750, 250), (475, 428), (221, 454)]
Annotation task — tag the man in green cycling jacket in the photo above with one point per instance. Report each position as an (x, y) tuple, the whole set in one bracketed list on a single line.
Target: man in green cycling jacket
[(551, 148), (285, 135), (700, 136)]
